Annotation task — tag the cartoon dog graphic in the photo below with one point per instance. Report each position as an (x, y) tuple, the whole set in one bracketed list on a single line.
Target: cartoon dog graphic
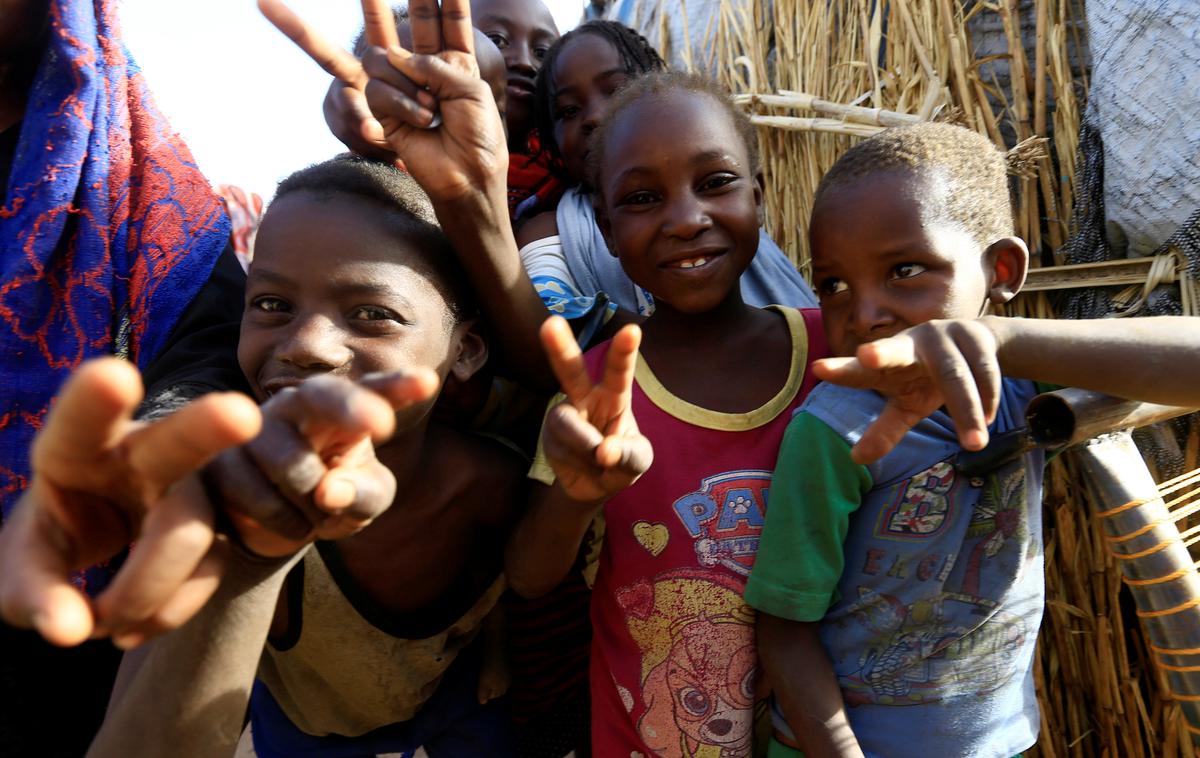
[(698, 665)]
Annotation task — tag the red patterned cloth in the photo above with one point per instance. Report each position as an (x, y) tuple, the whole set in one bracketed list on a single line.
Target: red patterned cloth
[(532, 186), (108, 228)]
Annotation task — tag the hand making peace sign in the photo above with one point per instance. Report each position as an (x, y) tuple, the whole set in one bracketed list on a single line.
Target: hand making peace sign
[(100, 481), (592, 440), (408, 90)]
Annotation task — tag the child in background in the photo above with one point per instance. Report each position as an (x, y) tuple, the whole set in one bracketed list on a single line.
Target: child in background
[(899, 597), (564, 252), (673, 666), (371, 648), (524, 31)]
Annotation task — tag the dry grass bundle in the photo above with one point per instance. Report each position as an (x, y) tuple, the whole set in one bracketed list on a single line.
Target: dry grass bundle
[(817, 77)]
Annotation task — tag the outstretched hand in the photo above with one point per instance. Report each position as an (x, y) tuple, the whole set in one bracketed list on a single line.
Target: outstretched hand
[(407, 91), (592, 440), (312, 472), (939, 363), (100, 481)]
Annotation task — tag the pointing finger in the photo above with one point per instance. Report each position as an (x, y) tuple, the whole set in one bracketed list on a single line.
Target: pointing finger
[(457, 33), (566, 359), (956, 383), (403, 389), (169, 449), (884, 434), (176, 534), (621, 362), (336, 61), (93, 410), (379, 23), (888, 353), (425, 19), (331, 412)]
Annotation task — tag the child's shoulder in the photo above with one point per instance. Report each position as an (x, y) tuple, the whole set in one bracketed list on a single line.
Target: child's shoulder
[(479, 468), (543, 225)]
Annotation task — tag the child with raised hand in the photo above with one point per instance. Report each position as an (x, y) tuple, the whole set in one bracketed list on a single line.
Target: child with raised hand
[(370, 649), (564, 251), (709, 388), (899, 598), (521, 31)]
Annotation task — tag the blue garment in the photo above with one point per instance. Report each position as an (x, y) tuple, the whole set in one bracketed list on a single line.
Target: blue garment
[(933, 631), (451, 724), (770, 280), (107, 232)]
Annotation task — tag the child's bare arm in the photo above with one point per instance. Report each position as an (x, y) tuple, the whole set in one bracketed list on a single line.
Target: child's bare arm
[(959, 363), (185, 693), (806, 687), (595, 449)]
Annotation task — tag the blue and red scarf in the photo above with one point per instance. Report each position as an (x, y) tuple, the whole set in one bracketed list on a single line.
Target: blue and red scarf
[(108, 229)]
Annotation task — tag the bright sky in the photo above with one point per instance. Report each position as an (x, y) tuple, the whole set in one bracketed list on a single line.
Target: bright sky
[(246, 100)]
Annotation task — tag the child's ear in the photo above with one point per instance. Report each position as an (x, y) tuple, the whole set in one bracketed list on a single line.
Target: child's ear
[(1007, 262), (472, 350), (604, 225), (760, 184)]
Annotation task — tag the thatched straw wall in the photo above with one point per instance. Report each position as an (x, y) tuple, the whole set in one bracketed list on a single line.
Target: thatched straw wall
[(795, 62)]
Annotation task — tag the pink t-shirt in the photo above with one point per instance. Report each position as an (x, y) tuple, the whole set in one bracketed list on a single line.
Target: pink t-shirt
[(673, 664)]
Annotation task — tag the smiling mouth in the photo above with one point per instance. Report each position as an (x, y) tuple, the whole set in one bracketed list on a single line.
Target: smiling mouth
[(275, 386), (694, 262), (520, 87)]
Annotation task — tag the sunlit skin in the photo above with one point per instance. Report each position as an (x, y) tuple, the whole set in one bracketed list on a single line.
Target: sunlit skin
[(587, 72), (881, 264), (312, 310), (523, 30), (681, 208), (336, 288)]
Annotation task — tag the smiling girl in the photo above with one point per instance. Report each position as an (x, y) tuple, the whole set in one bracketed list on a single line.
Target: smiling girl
[(563, 251), (711, 389)]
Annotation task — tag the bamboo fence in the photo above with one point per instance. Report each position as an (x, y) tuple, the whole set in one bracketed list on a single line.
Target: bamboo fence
[(818, 76)]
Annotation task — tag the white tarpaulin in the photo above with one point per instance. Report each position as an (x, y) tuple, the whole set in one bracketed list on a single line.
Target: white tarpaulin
[(1145, 102)]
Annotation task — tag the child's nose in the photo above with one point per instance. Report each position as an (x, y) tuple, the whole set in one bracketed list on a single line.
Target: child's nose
[(686, 216), (315, 343), (520, 57), (871, 313), (593, 113)]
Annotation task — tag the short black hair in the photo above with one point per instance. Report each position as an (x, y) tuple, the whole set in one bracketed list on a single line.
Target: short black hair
[(407, 206), (637, 57), (974, 171), (655, 85)]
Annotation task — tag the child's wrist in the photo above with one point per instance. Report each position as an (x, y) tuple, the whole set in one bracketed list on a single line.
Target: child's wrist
[(999, 326)]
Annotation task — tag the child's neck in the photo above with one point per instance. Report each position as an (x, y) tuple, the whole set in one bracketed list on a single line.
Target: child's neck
[(732, 359), (404, 453)]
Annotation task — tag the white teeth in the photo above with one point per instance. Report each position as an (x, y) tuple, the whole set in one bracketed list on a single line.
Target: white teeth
[(693, 263)]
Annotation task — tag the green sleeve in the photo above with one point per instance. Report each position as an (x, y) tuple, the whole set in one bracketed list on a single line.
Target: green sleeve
[(813, 492)]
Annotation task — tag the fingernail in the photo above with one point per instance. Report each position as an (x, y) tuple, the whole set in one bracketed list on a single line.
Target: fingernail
[(425, 98)]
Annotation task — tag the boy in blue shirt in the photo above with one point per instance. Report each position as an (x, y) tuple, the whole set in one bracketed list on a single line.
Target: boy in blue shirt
[(900, 597)]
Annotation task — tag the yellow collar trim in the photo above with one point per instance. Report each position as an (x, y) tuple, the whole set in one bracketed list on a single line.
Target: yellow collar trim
[(733, 422)]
